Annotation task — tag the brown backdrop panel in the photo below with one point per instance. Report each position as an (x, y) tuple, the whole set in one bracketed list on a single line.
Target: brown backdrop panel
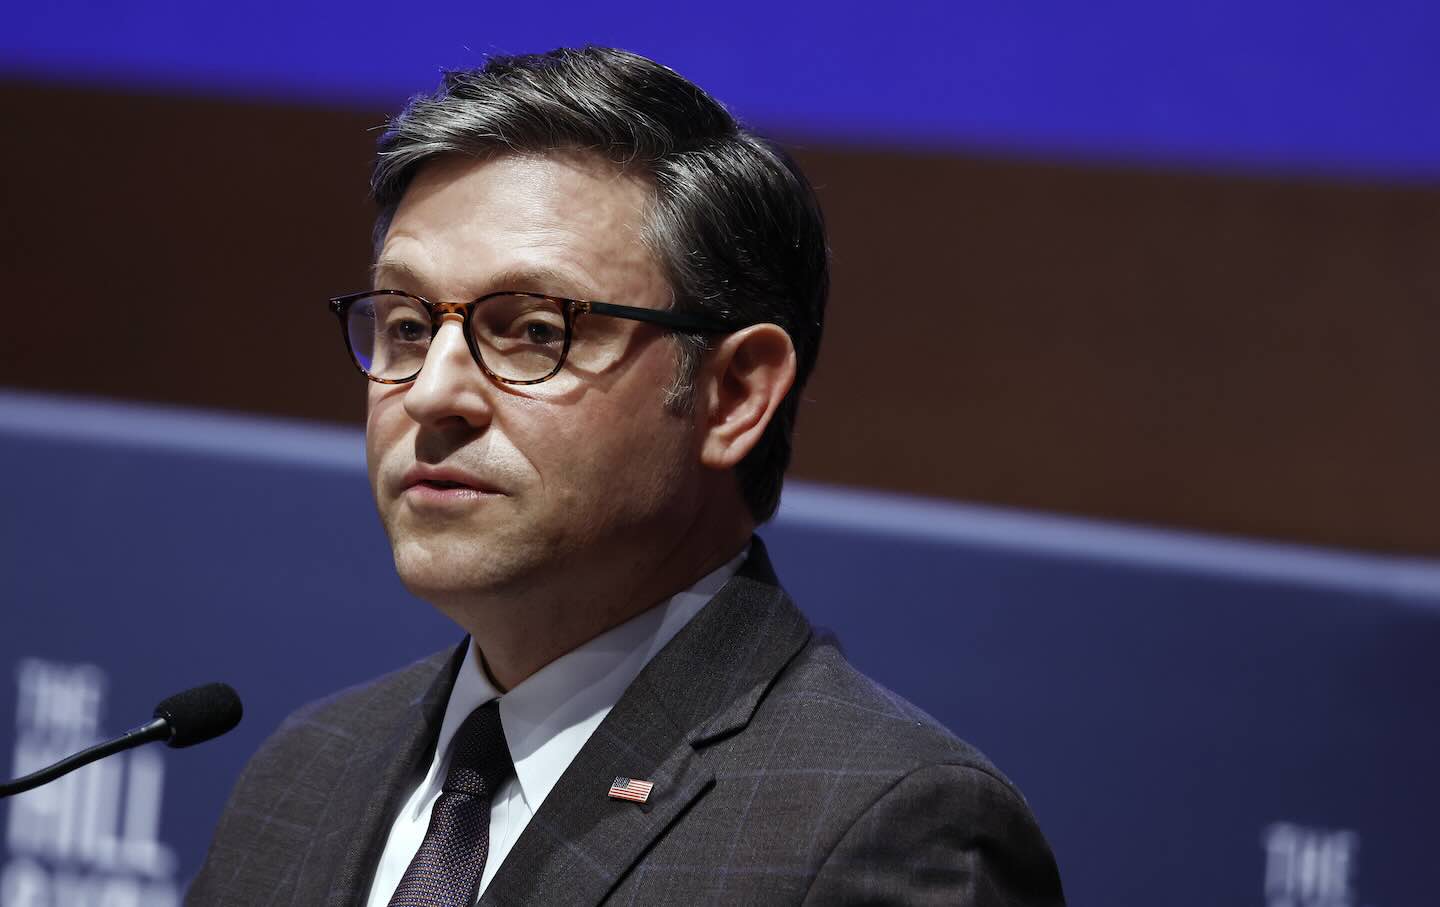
[(182, 249), (1217, 352), (1201, 351)]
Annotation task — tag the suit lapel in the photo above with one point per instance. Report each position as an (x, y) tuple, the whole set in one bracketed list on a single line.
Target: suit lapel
[(380, 773), (704, 685)]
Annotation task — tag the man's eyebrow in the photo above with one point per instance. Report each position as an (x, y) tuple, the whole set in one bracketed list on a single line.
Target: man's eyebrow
[(529, 278), (542, 279), (392, 268)]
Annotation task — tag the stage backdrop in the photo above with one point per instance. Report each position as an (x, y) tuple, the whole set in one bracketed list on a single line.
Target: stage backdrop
[(1195, 721)]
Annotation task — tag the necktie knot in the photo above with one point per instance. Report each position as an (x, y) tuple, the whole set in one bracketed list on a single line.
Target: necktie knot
[(480, 757)]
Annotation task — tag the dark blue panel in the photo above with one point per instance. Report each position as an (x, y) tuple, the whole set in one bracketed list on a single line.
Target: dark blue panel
[(1329, 87)]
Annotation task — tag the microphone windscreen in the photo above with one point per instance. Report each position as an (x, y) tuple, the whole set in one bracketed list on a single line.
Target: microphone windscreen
[(200, 714)]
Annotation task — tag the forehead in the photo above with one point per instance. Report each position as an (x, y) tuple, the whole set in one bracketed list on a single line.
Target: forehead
[(569, 224)]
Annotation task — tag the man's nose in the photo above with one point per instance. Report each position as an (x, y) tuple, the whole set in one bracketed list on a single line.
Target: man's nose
[(450, 387)]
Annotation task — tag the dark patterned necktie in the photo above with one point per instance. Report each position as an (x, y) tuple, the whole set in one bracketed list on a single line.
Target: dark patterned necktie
[(447, 868)]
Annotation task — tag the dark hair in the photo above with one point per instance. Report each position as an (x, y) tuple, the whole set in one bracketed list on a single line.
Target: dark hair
[(734, 223)]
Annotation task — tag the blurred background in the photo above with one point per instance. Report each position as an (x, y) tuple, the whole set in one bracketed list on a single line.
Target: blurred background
[(1129, 271), (1169, 265)]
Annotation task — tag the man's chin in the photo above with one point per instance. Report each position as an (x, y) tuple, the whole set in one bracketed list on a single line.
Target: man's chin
[(442, 573)]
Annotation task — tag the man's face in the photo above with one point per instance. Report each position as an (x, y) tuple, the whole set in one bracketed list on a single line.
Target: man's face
[(522, 491)]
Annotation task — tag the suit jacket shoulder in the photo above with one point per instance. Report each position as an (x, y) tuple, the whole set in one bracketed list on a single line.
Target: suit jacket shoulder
[(301, 824), (848, 707), (911, 813)]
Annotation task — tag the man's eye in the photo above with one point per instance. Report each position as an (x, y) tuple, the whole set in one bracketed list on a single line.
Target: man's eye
[(408, 330), (545, 333)]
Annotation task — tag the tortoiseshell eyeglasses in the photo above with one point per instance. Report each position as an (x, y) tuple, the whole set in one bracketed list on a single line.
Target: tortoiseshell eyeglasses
[(517, 338)]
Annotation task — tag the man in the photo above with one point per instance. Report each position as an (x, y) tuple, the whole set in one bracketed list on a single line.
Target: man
[(595, 301)]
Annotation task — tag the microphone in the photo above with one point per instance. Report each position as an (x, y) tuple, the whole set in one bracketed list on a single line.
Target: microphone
[(198, 714), (185, 719)]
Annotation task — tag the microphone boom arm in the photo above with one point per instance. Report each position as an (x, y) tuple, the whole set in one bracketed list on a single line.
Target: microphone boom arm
[(155, 729), (185, 719)]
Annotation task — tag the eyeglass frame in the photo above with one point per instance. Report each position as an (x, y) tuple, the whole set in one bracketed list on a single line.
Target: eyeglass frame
[(570, 310)]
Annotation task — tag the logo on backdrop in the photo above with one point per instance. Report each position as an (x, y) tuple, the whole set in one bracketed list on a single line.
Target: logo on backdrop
[(1309, 867), (90, 838)]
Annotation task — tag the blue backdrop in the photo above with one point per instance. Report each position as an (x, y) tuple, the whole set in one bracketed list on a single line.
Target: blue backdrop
[(1195, 721), (1301, 85)]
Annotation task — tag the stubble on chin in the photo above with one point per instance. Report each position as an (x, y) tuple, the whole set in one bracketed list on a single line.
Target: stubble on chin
[(459, 564)]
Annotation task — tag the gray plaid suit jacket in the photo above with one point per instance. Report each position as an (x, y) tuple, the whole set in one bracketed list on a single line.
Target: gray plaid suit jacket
[(782, 776)]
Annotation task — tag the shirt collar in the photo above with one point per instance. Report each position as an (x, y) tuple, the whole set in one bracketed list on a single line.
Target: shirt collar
[(548, 716)]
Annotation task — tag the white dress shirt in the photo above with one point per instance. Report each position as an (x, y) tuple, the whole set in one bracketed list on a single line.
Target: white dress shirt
[(547, 718)]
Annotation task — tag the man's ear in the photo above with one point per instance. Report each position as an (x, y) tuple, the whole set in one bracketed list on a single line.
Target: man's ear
[(743, 380)]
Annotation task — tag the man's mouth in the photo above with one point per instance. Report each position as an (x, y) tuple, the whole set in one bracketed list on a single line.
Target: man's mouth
[(443, 480)]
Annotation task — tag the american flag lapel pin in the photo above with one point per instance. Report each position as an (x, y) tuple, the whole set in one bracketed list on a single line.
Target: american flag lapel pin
[(631, 789)]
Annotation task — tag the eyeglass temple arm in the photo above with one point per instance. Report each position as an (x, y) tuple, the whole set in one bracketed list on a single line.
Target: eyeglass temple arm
[(679, 321)]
